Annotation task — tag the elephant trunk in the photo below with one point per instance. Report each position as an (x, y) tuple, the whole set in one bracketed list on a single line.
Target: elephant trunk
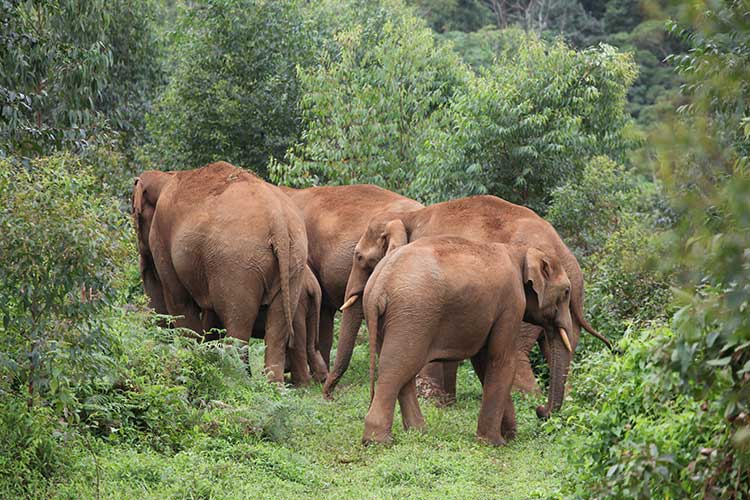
[(559, 360), (350, 324)]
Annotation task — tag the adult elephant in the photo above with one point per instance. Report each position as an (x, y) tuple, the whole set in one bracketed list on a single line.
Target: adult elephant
[(335, 218), (483, 218), (221, 242)]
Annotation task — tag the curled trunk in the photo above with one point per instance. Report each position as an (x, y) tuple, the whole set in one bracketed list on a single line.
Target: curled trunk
[(350, 324)]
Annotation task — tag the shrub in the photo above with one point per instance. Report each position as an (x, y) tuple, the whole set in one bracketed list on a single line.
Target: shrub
[(367, 104), (62, 247), (528, 124), (234, 91), (629, 435), (35, 449)]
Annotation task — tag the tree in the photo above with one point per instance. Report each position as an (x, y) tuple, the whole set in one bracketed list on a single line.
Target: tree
[(234, 91), (63, 246), (703, 157), (527, 124), (368, 103), (54, 67)]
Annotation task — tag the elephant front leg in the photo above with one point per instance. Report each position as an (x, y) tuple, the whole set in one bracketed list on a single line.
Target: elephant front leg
[(508, 427), (411, 415), (498, 378), (325, 333)]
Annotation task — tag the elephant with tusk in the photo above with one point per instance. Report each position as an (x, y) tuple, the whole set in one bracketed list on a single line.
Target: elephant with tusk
[(480, 218), (448, 298)]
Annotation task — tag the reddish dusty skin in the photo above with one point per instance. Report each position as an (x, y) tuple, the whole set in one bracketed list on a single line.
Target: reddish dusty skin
[(448, 298), (335, 218), (479, 218), (220, 242)]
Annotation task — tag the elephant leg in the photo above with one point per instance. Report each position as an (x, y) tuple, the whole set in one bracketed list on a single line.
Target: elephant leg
[(397, 368), (498, 379), (297, 353), (411, 415), (525, 380), (438, 380), (237, 304), (181, 304), (508, 425), (325, 333), (277, 336), (450, 373), (479, 362)]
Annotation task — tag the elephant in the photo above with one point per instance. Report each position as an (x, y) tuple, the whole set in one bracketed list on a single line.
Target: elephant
[(335, 218), (449, 298), (483, 218), (219, 244), (303, 356)]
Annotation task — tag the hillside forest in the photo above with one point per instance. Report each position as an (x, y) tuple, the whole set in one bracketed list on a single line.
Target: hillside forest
[(623, 123)]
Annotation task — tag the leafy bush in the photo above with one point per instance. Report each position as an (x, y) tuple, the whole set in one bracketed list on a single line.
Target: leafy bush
[(234, 91), (368, 102), (72, 72), (528, 124), (63, 245), (627, 281), (614, 221), (585, 212), (629, 436), (35, 449)]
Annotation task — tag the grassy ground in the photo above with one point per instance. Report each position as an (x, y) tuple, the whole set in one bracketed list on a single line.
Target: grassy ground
[(312, 448)]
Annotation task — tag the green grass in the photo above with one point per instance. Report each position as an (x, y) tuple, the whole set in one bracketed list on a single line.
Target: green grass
[(313, 450)]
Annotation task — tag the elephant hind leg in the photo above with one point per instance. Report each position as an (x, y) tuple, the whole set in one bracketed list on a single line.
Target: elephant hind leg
[(181, 304), (399, 364), (298, 352), (499, 370)]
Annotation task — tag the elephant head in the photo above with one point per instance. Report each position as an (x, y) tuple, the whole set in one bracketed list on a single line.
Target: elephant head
[(146, 190), (548, 291), (383, 236), (385, 233)]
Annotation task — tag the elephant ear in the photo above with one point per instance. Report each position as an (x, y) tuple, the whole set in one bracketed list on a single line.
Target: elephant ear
[(394, 235), (536, 269), (137, 200)]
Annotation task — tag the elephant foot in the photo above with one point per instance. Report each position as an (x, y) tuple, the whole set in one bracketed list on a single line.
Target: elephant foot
[(329, 386), (301, 381), (542, 412), (429, 388), (376, 439), (509, 432), (492, 441)]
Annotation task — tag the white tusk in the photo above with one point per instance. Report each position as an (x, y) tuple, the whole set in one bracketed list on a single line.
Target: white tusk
[(349, 302), (565, 340)]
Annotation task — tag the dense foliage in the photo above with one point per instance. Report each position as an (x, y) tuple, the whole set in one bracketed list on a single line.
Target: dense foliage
[(233, 92), (73, 72), (367, 104), (528, 123), (623, 122)]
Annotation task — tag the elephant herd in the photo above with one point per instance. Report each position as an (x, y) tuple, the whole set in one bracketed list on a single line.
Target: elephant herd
[(476, 278)]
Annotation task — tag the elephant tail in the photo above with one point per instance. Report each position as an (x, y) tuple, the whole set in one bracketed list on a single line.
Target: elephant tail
[(281, 245), (372, 314)]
